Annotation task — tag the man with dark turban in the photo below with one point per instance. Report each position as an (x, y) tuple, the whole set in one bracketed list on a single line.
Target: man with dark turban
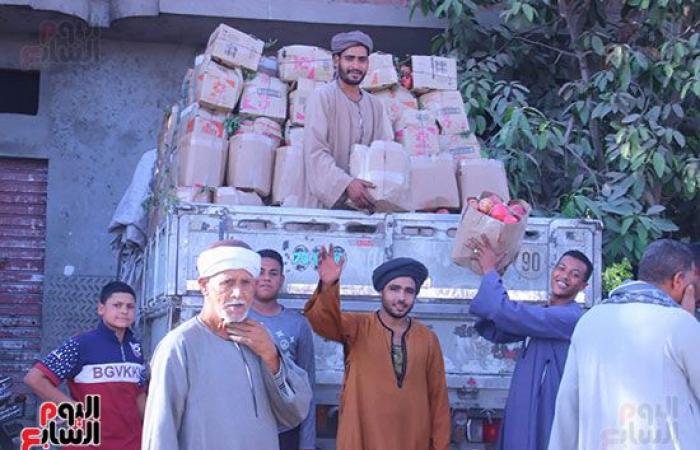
[(339, 115), (394, 393)]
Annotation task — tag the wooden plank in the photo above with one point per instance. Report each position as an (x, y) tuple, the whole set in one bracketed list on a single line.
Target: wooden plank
[(23, 197), (27, 186), (22, 208), (23, 176)]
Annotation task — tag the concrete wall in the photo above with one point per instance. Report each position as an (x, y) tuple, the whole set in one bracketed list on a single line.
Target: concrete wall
[(101, 13), (95, 120)]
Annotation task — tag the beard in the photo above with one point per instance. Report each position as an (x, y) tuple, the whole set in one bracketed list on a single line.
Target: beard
[(345, 76), (234, 311), (396, 315)]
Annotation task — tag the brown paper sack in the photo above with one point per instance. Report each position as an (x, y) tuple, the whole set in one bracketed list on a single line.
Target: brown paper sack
[(193, 194), (261, 125), (434, 183), (298, 99), (396, 100), (505, 238), (264, 96), (250, 163), (288, 182), (381, 73), (231, 196), (387, 165), (215, 86), (448, 108), (234, 48), (201, 148), (303, 61), (434, 72), (460, 146), (294, 136), (418, 133)]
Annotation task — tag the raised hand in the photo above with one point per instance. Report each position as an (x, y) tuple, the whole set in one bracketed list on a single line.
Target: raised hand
[(328, 270)]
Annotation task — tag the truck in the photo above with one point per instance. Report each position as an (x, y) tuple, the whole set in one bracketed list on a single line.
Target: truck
[(478, 371)]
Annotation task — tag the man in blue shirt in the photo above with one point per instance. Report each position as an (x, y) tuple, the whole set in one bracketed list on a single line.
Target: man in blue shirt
[(293, 335), (544, 330)]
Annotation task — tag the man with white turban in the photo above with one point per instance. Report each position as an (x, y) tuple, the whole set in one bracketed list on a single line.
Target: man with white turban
[(207, 392)]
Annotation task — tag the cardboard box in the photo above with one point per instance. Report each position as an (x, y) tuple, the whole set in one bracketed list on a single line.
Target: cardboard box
[(251, 158), (387, 165), (418, 133), (201, 149), (434, 72), (505, 238), (234, 48), (294, 136), (480, 175), (264, 96), (396, 100), (215, 86), (381, 73), (261, 125), (448, 108), (193, 194), (298, 98), (231, 196), (460, 146), (303, 61), (201, 161), (434, 183), (288, 185)]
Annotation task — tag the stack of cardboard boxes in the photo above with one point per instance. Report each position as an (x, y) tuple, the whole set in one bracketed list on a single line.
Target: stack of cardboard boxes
[(259, 159)]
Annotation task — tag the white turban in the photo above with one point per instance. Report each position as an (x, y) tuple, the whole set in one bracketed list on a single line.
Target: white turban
[(215, 260)]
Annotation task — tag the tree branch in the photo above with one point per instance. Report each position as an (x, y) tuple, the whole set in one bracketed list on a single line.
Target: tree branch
[(550, 47), (573, 25)]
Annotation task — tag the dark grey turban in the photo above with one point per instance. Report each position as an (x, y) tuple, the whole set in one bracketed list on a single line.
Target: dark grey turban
[(399, 267), (343, 41)]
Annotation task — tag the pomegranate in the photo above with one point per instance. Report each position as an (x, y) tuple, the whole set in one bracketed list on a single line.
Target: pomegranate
[(518, 210), (499, 211), (495, 199), (486, 205)]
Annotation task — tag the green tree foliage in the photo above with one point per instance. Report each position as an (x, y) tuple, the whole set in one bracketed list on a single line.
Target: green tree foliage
[(592, 105)]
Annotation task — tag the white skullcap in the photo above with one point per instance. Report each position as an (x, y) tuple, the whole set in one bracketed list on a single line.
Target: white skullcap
[(215, 260)]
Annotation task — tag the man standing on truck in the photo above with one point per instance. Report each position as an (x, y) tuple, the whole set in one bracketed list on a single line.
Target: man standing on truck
[(632, 379), (207, 392), (394, 393), (339, 115), (293, 335), (545, 332)]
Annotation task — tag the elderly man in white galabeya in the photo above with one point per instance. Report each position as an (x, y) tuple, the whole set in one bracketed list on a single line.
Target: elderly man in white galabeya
[(207, 392)]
